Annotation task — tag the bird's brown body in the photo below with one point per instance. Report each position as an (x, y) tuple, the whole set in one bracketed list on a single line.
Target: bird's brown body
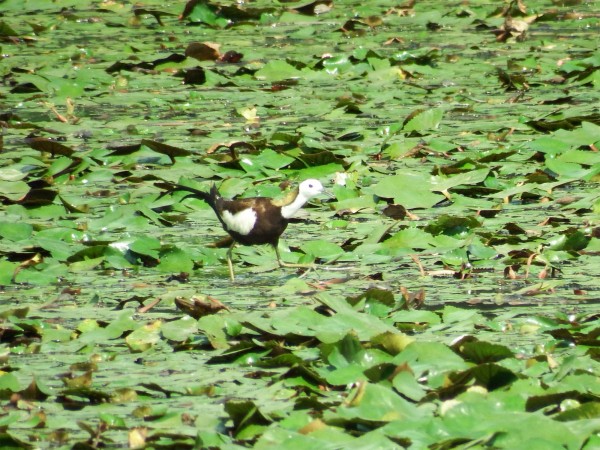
[(269, 224), (255, 220)]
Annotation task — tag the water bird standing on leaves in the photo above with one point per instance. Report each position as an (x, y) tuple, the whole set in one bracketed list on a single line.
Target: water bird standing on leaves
[(255, 220)]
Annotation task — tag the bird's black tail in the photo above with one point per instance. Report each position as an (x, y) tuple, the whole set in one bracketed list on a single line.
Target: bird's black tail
[(209, 197)]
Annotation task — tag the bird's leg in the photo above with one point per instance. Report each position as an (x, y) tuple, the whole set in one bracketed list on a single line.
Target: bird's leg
[(229, 262), (297, 265), (311, 265)]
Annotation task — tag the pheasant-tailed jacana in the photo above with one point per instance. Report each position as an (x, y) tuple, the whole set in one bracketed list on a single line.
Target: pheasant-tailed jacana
[(255, 220)]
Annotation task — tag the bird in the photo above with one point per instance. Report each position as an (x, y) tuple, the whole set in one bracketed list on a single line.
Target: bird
[(254, 220)]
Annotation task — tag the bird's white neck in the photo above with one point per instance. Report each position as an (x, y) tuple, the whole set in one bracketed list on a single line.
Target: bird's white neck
[(290, 210)]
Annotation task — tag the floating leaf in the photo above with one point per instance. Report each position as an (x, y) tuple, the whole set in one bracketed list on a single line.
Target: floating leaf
[(452, 225), (470, 322), (410, 190), (8, 385), (441, 184), (144, 337), (200, 11), (590, 410), (423, 120), (376, 403), (6, 30), (482, 352), (322, 249), (15, 231), (13, 190), (180, 330), (146, 245), (277, 70), (383, 296), (175, 260)]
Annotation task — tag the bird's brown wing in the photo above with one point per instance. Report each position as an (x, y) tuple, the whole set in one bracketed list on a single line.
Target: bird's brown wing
[(287, 199), (237, 205)]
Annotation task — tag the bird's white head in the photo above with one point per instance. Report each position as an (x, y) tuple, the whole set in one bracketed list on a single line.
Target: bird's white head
[(310, 188), (306, 190)]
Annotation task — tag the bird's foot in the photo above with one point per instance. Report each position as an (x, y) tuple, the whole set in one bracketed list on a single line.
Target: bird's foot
[(297, 265), (308, 266)]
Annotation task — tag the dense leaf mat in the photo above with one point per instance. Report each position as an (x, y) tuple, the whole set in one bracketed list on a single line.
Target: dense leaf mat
[(454, 299)]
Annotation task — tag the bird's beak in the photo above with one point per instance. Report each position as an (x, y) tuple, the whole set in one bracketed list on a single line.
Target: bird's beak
[(328, 193)]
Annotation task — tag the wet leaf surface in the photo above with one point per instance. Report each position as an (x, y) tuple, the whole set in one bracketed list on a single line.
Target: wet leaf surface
[(456, 275)]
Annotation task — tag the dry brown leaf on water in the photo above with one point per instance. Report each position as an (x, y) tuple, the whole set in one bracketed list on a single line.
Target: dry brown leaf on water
[(146, 308), (203, 51), (413, 300), (200, 306)]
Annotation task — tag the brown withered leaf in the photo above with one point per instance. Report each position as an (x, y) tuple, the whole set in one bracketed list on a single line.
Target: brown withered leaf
[(200, 306), (181, 277), (38, 197), (396, 212), (46, 145), (412, 300), (510, 272), (315, 425), (321, 285), (31, 262), (488, 213), (194, 75), (234, 148), (148, 307), (165, 149), (374, 21), (135, 298), (121, 150), (394, 40), (189, 8), (554, 221), (152, 12), (515, 28), (559, 101), (78, 381), (568, 123), (33, 392), (352, 25), (514, 229), (145, 65), (317, 159), (203, 51), (513, 8), (234, 12), (512, 81), (231, 57), (314, 8), (70, 207)]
